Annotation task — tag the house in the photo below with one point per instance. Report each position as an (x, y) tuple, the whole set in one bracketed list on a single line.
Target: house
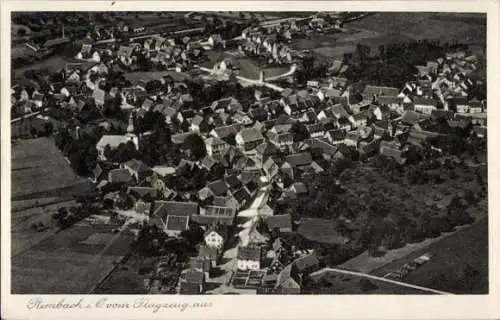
[(270, 168), (248, 258), (283, 139), (215, 146), (196, 123), (315, 130), (476, 106), (371, 93), (165, 209), (226, 132), (174, 225), (424, 105), (201, 264), (322, 147), (265, 150), (248, 139), (218, 188), (191, 281), (215, 236), (352, 138), (307, 263), (137, 169), (335, 136), (298, 188), (142, 192), (299, 160), (211, 253), (281, 222), (361, 119), (288, 281), (142, 207), (383, 128), (222, 214), (121, 176), (125, 54)]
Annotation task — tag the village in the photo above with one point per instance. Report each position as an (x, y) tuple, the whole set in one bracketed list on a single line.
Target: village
[(191, 139)]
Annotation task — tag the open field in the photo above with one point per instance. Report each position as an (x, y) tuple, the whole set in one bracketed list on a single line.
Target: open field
[(39, 170), (468, 247), (433, 26), (53, 64), (65, 262), (320, 230), (332, 282)]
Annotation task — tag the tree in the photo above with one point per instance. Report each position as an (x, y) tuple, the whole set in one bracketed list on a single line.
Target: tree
[(299, 132), (195, 147)]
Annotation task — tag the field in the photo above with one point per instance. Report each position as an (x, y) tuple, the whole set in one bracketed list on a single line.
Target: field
[(39, 170), (469, 28), (336, 283), (468, 247), (395, 27), (320, 230), (53, 64), (125, 279), (71, 261)]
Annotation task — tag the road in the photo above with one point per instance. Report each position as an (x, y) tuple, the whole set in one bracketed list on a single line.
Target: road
[(368, 276), (250, 81)]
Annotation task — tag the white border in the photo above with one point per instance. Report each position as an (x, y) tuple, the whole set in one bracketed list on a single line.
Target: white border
[(271, 307)]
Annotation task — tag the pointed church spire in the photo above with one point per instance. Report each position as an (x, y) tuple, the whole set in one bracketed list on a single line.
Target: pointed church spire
[(130, 128)]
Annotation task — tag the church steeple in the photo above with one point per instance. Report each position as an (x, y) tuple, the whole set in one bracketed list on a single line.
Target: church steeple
[(130, 128)]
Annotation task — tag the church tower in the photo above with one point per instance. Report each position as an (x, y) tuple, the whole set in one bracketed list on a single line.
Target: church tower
[(131, 136)]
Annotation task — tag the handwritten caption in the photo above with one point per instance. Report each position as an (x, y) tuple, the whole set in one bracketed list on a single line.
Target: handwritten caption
[(143, 303)]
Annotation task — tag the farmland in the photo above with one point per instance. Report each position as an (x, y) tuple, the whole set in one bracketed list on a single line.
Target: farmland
[(467, 28), (372, 30), (38, 270), (459, 265), (53, 175)]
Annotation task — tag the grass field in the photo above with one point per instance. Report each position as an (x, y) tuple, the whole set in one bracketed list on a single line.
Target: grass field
[(39, 170), (451, 256), (321, 230), (66, 261), (427, 25)]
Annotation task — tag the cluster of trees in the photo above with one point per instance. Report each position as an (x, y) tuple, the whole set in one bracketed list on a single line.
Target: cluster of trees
[(65, 217), (393, 64), (81, 153)]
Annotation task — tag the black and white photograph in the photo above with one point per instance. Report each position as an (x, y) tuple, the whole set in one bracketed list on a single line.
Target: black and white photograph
[(248, 153)]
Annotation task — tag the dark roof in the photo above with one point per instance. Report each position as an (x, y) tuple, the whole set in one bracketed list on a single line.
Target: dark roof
[(370, 91), (177, 223), (283, 221), (299, 159), (208, 252), (250, 134), (241, 195), (119, 175), (412, 117), (137, 166), (306, 262), (193, 276), (252, 253), (233, 182), (189, 288), (218, 187), (226, 131), (164, 208)]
